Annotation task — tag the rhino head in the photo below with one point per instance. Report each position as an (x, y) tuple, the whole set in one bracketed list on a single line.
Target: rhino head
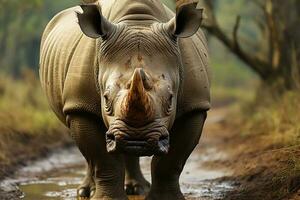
[(139, 73)]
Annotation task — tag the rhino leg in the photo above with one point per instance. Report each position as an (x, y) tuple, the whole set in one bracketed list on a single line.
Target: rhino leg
[(87, 188), (135, 183), (108, 170), (165, 170)]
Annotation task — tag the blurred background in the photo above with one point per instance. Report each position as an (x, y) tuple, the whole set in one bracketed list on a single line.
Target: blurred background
[(255, 64)]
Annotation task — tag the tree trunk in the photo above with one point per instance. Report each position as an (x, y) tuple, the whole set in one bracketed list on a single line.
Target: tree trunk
[(288, 20), (281, 66)]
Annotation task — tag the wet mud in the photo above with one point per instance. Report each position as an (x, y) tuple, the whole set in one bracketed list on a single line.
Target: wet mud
[(57, 176)]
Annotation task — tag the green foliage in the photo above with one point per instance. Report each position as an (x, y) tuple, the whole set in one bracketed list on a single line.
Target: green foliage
[(227, 70), (227, 12), (264, 34), (231, 79), (22, 24)]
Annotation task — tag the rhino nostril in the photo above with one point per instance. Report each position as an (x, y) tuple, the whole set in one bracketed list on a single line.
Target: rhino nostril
[(163, 137), (152, 142), (110, 137)]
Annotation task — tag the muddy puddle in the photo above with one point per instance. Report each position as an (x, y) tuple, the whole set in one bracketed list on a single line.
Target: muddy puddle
[(57, 176)]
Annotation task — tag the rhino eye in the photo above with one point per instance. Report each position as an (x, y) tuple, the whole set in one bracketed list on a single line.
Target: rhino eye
[(170, 103), (106, 96), (170, 100), (108, 103)]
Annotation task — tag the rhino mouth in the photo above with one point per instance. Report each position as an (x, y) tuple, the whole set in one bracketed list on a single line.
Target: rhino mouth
[(151, 139)]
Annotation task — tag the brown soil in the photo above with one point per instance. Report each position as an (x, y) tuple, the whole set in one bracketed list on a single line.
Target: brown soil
[(18, 148), (263, 168)]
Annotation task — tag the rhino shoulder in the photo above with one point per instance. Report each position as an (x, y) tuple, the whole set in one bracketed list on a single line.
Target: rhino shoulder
[(67, 66), (66, 17), (195, 94)]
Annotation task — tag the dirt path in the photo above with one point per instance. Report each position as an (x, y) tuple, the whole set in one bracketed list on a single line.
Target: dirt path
[(57, 176), (208, 174)]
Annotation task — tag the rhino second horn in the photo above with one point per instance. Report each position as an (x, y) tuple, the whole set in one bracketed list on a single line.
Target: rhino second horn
[(137, 106)]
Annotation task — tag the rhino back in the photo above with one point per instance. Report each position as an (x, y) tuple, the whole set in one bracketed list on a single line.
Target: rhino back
[(133, 10), (67, 63)]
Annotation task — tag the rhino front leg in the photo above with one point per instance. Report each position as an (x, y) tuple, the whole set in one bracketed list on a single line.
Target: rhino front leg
[(107, 170), (165, 170), (135, 183), (87, 188)]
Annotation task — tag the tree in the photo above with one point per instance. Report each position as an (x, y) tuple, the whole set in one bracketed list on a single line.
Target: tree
[(278, 22)]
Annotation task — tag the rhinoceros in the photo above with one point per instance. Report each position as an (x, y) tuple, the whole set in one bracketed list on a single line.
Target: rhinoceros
[(129, 78)]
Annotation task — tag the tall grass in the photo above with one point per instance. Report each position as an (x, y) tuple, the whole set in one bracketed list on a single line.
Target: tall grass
[(23, 106), (275, 115), (28, 127)]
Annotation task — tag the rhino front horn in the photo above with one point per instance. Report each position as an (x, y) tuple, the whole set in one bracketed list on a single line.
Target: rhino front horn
[(137, 108)]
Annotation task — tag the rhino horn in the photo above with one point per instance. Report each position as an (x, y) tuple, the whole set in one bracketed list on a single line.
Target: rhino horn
[(137, 107)]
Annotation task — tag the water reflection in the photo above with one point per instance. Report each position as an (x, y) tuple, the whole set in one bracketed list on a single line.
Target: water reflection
[(57, 177)]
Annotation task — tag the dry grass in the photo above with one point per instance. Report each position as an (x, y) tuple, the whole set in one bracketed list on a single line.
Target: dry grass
[(23, 105), (277, 116), (28, 127), (266, 147), (223, 96)]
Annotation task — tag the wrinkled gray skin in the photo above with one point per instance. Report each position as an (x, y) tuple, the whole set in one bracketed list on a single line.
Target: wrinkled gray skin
[(130, 80)]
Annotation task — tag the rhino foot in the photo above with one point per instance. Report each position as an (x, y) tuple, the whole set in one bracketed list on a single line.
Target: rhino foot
[(133, 187), (87, 189), (84, 193), (165, 196)]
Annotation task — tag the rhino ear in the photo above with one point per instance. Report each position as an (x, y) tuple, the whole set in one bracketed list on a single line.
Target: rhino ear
[(92, 23), (187, 21)]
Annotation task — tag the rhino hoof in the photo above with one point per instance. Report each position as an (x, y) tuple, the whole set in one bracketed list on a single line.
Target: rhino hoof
[(85, 193), (136, 189), (129, 189), (92, 193)]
